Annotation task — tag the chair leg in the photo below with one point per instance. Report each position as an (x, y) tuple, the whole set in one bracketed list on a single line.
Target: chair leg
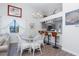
[(30, 50), (17, 50), (43, 44), (33, 51), (40, 50), (21, 52)]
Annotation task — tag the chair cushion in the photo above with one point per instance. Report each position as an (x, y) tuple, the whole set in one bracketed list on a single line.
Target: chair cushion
[(2, 40), (4, 48)]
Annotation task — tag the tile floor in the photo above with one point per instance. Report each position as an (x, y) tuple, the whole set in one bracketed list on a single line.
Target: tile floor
[(46, 51)]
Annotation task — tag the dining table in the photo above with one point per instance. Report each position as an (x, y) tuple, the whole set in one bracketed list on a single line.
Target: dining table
[(29, 39)]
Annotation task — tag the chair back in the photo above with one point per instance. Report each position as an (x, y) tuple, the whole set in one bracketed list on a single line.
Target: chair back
[(54, 34), (46, 33)]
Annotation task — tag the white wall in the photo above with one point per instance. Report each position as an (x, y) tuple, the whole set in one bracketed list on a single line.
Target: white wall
[(5, 21), (70, 37), (29, 19), (23, 22)]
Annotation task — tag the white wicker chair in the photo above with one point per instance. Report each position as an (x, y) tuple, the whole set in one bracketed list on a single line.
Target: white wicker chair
[(22, 44), (36, 44), (4, 45)]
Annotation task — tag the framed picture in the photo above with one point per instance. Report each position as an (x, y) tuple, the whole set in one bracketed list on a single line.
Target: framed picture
[(14, 28), (14, 11), (72, 17)]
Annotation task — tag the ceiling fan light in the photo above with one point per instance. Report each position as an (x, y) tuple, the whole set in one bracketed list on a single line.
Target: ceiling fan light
[(37, 15)]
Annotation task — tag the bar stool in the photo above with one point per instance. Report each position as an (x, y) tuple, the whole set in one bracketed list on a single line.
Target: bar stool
[(54, 34), (46, 35)]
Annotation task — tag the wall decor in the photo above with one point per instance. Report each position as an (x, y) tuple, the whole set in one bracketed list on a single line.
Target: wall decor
[(14, 11), (72, 17), (14, 28)]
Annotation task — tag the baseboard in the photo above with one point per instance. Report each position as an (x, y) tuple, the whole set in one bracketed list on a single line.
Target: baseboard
[(70, 51)]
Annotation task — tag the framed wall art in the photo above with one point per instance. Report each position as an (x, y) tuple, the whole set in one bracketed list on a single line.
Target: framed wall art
[(14, 11), (72, 17), (14, 28)]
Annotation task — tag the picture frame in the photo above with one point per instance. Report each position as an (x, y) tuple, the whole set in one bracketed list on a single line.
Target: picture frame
[(14, 11), (72, 17), (14, 27)]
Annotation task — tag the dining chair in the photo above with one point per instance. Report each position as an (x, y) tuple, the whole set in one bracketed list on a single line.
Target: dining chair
[(41, 38), (22, 44), (35, 45)]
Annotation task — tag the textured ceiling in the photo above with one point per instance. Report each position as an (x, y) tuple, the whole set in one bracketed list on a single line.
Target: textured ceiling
[(46, 8)]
